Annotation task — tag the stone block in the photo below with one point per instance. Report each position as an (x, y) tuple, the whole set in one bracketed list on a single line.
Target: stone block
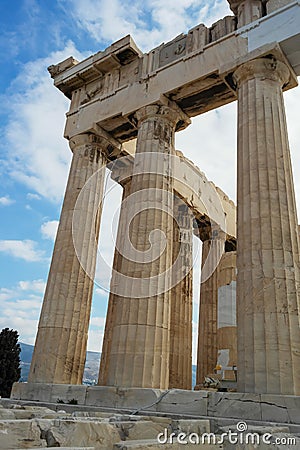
[(179, 401), (280, 408), (140, 429), (70, 433), (138, 398), (154, 445), (68, 392), (7, 414), (234, 405), (101, 396), (31, 391), (272, 5), (191, 426), (16, 434)]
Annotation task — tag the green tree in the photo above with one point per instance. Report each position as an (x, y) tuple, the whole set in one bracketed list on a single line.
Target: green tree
[(10, 370)]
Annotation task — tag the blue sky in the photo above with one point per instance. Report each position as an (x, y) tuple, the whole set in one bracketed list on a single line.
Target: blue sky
[(34, 156)]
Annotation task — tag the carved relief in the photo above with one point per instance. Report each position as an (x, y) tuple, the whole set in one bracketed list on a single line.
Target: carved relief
[(172, 51)]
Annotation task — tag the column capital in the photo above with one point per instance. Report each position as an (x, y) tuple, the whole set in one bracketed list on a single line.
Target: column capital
[(106, 143), (121, 169), (171, 113), (264, 69)]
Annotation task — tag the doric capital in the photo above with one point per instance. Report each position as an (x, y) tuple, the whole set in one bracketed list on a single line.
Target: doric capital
[(121, 169), (83, 139), (264, 69), (105, 143), (172, 114)]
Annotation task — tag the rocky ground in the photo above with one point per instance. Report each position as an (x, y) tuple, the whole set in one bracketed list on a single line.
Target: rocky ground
[(25, 426)]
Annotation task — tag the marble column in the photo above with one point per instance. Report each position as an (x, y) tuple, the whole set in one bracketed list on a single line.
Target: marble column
[(207, 353), (114, 299), (227, 326), (60, 348), (267, 235), (140, 335), (182, 299)]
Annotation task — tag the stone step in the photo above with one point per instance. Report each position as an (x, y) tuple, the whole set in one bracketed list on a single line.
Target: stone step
[(154, 445)]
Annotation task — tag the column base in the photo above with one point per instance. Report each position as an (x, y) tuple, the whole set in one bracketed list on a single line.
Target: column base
[(280, 409)]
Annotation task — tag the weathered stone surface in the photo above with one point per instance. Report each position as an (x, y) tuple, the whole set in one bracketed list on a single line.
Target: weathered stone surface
[(32, 391), (82, 433), (143, 313), (7, 414), (180, 364), (68, 392), (140, 429), (191, 426), (268, 276), (241, 406), (15, 434), (154, 445), (273, 5), (277, 408), (60, 348), (180, 402)]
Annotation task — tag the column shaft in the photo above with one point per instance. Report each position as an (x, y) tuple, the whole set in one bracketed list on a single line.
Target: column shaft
[(182, 300), (268, 252), (140, 341), (207, 352), (227, 327), (114, 299), (60, 348)]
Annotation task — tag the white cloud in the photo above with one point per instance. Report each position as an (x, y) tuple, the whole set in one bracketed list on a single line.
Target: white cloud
[(149, 22), (95, 340), (26, 249), (49, 229), (32, 196), (34, 285), (6, 201), (97, 322), (37, 154), (20, 308)]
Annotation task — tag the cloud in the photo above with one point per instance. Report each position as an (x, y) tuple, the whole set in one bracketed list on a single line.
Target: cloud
[(97, 322), (20, 308), (32, 196), (95, 339), (26, 250), (6, 201), (49, 229), (34, 285), (37, 154), (149, 22)]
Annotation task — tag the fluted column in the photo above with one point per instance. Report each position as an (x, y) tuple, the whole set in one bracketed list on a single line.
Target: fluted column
[(227, 326), (182, 299), (268, 252), (60, 348), (114, 299), (140, 336), (207, 353)]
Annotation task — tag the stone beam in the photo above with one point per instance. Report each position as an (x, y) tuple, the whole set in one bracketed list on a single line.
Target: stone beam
[(194, 70), (202, 196)]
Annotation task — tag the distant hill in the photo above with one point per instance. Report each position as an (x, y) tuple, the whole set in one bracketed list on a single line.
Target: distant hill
[(91, 365)]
